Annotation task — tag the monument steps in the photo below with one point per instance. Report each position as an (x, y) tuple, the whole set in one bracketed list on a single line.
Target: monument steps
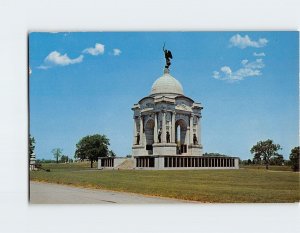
[(127, 164)]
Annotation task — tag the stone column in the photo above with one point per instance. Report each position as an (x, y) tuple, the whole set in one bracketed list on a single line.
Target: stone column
[(236, 163), (173, 128), (191, 128), (141, 131), (134, 131), (159, 163), (163, 127), (155, 128), (199, 129), (99, 163)]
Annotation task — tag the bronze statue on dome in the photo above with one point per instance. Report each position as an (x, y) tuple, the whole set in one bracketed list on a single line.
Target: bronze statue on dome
[(168, 56)]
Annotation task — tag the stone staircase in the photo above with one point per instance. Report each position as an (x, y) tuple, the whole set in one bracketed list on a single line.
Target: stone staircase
[(127, 164)]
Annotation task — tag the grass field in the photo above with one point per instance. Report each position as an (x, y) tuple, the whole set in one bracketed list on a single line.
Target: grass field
[(248, 184)]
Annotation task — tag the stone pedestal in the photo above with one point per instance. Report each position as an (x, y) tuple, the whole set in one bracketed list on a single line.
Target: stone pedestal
[(138, 150), (164, 149), (195, 150)]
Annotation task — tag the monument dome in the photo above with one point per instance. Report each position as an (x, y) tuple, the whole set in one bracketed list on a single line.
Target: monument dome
[(166, 84)]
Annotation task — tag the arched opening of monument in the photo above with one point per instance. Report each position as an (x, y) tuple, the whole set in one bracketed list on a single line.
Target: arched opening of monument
[(149, 134), (180, 136)]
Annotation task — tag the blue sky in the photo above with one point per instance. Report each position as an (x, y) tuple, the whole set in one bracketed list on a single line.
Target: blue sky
[(86, 83)]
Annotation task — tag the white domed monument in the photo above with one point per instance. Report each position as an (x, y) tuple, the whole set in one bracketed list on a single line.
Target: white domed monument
[(167, 130), (166, 122)]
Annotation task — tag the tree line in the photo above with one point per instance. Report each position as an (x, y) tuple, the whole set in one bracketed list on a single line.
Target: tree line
[(91, 147)]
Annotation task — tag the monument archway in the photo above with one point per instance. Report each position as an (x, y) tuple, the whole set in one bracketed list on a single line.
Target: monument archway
[(181, 136), (149, 135)]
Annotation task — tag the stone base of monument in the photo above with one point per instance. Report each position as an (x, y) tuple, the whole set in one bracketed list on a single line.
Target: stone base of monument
[(164, 149), (195, 150), (138, 150)]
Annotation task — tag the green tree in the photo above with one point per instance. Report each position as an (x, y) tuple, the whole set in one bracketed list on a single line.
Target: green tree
[(57, 153), (91, 147), (31, 146), (64, 159), (257, 159), (111, 154), (265, 150), (215, 155), (277, 160), (294, 158)]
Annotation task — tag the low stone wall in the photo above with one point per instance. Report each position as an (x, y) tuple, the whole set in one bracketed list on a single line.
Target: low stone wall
[(110, 162), (172, 162), (186, 162)]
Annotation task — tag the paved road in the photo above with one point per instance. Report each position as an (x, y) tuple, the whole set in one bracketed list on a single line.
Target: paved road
[(45, 193)]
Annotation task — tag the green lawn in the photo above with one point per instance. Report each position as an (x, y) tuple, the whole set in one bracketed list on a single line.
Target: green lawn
[(243, 185), (271, 168)]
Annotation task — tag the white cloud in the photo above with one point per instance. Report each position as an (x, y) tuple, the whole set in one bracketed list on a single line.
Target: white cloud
[(43, 67), (226, 70), (248, 69), (259, 54), (216, 75), (63, 60), (244, 42), (116, 52), (257, 64), (246, 72), (98, 49), (55, 58), (244, 62)]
